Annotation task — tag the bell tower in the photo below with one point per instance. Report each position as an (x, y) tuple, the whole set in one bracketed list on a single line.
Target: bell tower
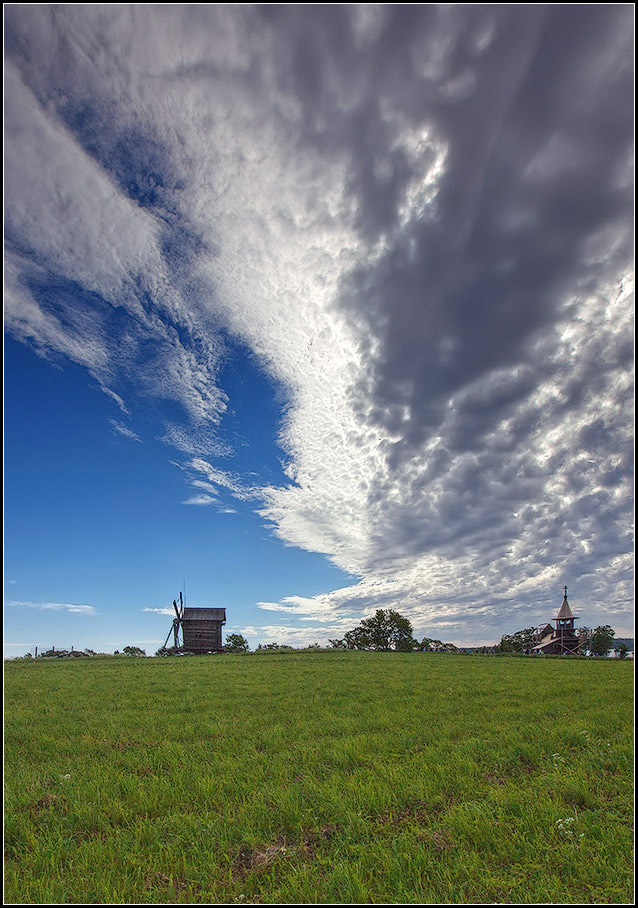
[(565, 633)]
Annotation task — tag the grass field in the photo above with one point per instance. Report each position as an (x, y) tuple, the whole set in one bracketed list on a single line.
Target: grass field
[(329, 777)]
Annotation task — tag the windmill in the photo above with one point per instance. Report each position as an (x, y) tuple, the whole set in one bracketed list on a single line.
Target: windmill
[(200, 629), (177, 623)]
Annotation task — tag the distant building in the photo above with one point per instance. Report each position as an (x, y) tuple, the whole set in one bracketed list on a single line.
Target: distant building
[(560, 640), (202, 629)]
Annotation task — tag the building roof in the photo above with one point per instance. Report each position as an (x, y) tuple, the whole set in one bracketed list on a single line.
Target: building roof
[(565, 611), (204, 614), (545, 641)]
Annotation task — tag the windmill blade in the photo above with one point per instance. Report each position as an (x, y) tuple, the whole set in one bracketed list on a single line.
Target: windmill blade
[(179, 617), (181, 606)]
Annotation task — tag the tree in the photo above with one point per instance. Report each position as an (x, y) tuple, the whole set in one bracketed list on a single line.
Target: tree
[(584, 635), (235, 643), (133, 651), (602, 640), (519, 642), (430, 645), (386, 630), (357, 638)]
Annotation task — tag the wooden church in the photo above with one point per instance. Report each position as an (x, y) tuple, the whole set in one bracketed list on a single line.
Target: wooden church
[(560, 640)]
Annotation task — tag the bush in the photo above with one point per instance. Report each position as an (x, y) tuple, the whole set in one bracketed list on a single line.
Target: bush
[(134, 651), (166, 651), (235, 643)]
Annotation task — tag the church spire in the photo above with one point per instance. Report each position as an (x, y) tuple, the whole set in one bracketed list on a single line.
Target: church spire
[(565, 612)]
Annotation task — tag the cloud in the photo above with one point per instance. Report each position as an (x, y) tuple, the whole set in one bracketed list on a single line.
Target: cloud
[(220, 479), (70, 607), (418, 218), (161, 611), (121, 429), (201, 500), (290, 636)]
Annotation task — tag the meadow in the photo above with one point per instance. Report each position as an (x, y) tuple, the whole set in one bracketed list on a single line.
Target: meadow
[(342, 777)]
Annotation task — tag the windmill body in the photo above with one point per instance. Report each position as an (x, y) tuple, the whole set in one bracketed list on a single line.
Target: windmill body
[(197, 630)]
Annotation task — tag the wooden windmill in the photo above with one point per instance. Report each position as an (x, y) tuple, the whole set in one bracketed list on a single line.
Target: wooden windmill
[(200, 629)]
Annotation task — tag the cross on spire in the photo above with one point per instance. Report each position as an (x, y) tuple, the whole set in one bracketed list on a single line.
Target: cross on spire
[(565, 588)]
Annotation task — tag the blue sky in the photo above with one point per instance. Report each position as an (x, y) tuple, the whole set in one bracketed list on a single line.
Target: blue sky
[(319, 310), (100, 521)]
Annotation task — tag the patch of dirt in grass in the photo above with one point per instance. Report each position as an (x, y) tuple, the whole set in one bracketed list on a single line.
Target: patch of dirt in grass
[(84, 835), (312, 838), (125, 745), (440, 838), (251, 859), (420, 812), (49, 802), (495, 778), (176, 884)]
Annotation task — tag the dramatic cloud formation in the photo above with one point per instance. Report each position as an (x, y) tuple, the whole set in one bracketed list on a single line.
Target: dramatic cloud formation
[(417, 218)]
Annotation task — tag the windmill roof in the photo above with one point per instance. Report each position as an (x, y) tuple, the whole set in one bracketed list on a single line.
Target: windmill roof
[(204, 614)]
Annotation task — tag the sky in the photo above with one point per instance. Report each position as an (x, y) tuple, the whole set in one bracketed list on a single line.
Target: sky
[(315, 310)]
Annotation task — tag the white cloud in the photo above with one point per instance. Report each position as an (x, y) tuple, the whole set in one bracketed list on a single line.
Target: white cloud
[(70, 607), (290, 636), (121, 429), (201, 500)]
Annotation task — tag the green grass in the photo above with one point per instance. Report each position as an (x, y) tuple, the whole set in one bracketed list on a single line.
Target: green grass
[(318, 778)]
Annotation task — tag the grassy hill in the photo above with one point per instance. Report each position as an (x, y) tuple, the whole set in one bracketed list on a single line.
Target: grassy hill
[(341, 777)]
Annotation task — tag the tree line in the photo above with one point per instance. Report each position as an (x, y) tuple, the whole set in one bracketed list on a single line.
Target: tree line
[(54, 653), (389, 631), (385, 631)]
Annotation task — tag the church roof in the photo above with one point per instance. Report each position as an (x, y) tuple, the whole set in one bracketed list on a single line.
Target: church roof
[(565, 611), (545, 641)]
